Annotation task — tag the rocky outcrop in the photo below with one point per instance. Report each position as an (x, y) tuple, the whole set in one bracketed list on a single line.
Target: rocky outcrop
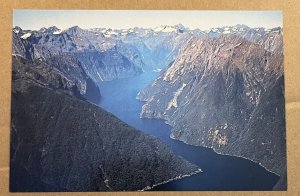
[(108, 65), (97, 54), (140, 48), (62, 73), (217, 90), (220, 92), (263, 139)]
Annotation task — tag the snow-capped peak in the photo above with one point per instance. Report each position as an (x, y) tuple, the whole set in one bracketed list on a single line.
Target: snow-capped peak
[(215, 30), (165, 29), (229, 29), (273, 30), (109, 32), (44, 29), (17, 29), (52, 29), (57, 32)]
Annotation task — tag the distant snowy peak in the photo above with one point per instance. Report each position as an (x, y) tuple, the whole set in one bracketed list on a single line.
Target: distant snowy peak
[(24, 34), (238, 29), (168, 28), (113, 33), (126, 31), (52, 29), (229, 29), (57, 32), (17, 29), (135, 32), (109, 32), (165, 29), (274, 30), (74, 31)]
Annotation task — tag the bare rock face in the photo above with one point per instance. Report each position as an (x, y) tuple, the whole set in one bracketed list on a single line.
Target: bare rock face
[(108, 65), (62, 73), (106, 54), (263, 138), (60, 142), (226, 93), (97, 54)]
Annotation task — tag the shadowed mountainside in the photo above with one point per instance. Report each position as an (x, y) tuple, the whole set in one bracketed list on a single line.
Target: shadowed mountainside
[(62, 143)]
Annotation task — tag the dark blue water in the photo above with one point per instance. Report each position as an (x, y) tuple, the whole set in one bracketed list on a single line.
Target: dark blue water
[(220, 172)]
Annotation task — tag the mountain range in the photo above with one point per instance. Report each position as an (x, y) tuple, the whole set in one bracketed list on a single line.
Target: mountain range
[(61, 141), (222, 88), (108, 54), (226, 92)]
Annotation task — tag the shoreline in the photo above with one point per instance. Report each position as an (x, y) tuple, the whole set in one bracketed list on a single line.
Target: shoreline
[(167, 122), (225, 154), (147, 188)]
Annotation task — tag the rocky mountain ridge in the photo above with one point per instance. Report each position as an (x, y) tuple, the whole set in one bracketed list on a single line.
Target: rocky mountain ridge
[(98, 55), (135, 49), (61, 142), (217, 89), (60, 73), (220, 91)]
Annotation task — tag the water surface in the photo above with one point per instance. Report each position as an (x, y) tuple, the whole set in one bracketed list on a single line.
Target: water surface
[(220, 172)]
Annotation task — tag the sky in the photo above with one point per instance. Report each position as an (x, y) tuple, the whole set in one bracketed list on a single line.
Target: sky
[(119, 19)]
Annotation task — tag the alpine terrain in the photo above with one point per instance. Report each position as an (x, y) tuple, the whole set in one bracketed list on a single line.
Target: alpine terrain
[(226, 92), (60, 140), (222, 89)]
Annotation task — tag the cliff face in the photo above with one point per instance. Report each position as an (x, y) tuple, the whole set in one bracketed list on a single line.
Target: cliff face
[(140, 48), (158, 47), (61, 73), (263, 138), (221, 89), (106, 66), (59, 142), (97, 54), (106, 54), (69, 66), (220, 92)]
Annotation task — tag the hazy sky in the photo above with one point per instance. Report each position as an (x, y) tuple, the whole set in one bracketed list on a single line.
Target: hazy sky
[(36, 19)]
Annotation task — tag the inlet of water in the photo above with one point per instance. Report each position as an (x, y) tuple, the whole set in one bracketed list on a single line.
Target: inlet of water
[(220, 172)]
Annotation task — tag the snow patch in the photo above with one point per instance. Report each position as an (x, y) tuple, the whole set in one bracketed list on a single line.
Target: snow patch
[(17, 55), (16, 31), (267, 30), (57, 32), (26, 35), (165, 29), (110, 33), (215, 30)]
